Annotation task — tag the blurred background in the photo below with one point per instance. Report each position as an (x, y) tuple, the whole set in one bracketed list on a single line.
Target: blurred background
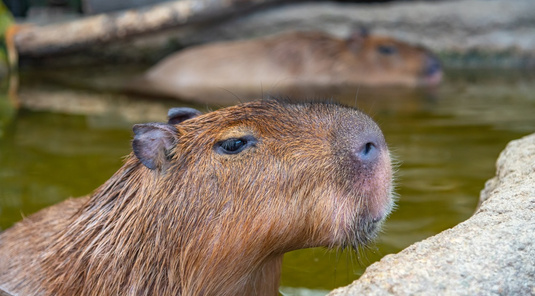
[(74, 81)]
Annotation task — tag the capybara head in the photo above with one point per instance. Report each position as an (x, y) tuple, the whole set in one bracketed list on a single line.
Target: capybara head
[(386, 60), (207, 204), (300, 175)]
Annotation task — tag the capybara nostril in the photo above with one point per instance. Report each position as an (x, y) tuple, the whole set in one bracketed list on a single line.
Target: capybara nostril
[(368, 148), (368, 153)]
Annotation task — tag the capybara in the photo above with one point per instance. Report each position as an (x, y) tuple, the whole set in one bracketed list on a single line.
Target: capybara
[(207, 204), (297, 59)]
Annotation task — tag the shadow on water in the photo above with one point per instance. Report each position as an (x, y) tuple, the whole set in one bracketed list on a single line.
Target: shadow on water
[(66, 141)]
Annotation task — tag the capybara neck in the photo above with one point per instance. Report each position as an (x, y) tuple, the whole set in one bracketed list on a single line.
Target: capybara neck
[(161, 242), (207, 204)]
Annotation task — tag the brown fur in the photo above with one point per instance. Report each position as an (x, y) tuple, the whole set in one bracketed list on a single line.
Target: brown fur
[(205, 223), (289, 60)]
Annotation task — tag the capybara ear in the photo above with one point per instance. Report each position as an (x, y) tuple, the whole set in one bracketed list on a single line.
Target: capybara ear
[(357, 38), (153, 142), (177, 115)]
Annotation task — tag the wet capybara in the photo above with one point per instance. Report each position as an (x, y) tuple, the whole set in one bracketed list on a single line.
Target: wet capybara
[(290, 60), (207, 204)]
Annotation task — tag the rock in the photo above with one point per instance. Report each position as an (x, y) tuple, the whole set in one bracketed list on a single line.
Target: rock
[(492, 253)]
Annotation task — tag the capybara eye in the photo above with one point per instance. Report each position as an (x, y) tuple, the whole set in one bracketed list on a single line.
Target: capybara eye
[(234, 145), (387, 49)]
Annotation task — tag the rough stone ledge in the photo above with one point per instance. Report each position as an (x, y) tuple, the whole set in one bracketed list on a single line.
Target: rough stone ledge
[(492, 253)]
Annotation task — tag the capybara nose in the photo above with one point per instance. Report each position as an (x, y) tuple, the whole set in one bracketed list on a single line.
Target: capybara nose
[(368, 152)]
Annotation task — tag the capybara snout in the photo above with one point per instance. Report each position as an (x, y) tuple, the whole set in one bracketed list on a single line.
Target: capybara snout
[(207, 204)]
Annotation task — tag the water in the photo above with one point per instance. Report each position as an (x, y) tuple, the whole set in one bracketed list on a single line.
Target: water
[(65, 141)]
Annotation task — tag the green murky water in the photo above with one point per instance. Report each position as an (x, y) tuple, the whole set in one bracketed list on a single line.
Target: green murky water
[(446, 141)]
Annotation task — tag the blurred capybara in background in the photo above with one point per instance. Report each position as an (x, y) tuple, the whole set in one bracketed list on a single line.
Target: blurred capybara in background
[(207, 204), (297, 59)]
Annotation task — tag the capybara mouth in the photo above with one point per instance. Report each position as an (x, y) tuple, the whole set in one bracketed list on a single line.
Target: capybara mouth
[(367, 226)]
